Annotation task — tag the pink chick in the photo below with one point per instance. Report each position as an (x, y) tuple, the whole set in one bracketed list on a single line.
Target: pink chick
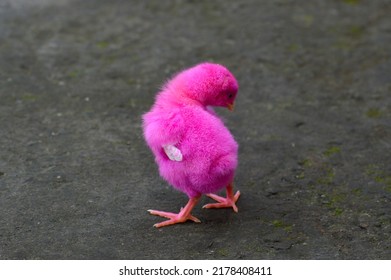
[(195, 152)]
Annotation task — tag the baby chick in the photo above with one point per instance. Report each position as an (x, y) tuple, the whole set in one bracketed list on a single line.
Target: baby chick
[(195, 152)]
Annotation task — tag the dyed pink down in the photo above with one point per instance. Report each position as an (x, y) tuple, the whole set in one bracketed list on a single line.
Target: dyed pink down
[(181, 117)]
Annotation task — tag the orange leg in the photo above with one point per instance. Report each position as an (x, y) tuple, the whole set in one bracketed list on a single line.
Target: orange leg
[(224, 202), (181, 217)]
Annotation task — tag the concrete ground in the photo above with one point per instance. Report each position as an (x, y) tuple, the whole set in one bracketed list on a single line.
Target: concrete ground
[(312, 120)]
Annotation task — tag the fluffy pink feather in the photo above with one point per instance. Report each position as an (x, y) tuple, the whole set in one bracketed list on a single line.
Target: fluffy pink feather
[(181, 120)]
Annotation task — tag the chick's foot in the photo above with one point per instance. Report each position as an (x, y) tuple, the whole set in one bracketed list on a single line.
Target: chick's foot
[(224, 202), (176, 218)]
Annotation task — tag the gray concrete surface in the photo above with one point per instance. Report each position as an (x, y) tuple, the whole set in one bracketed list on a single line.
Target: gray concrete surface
[(312, 120)]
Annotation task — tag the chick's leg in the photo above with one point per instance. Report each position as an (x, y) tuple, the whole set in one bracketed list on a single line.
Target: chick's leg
[(224, 202), (181, 217)]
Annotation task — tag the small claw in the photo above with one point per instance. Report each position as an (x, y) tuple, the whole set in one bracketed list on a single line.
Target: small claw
[(194, 219), (235, 208), (236, 196)]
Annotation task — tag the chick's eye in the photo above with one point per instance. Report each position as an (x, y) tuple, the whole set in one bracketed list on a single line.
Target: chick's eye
[(230, 95)]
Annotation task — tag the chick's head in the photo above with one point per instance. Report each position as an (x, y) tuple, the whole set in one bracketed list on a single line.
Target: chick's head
[(210, 84)]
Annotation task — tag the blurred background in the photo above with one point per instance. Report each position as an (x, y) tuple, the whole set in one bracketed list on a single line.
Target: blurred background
[(312, 120)]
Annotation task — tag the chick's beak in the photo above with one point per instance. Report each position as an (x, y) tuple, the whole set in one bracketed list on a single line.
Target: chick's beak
[(230, 106)]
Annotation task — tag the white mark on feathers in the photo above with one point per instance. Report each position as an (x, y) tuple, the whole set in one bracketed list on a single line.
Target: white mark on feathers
[(173, 153)]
